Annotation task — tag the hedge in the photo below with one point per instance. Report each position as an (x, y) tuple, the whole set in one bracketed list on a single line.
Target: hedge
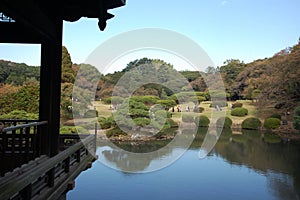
[(239, 112), (251, 123), (202, 121), (224, 122), (271, 123)]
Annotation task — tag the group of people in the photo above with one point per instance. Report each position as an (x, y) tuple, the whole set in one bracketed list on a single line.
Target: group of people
[(187, 108)]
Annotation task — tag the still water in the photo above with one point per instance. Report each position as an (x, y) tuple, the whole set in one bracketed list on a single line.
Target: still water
[(249, 165)]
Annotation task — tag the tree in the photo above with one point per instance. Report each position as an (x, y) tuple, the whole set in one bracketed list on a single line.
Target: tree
[(296, 121), (229, 73), (68, 74)]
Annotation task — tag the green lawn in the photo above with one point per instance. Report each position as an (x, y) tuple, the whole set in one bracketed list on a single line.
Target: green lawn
[(104, 111)]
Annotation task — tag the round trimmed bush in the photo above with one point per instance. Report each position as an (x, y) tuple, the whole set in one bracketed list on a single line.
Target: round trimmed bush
[(237, 105), (251, 123), (224, 122), (271, 123), (188, 118), (202, 121), (239, 112)]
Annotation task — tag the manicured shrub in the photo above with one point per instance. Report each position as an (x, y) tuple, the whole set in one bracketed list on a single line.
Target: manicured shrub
[(271, 123), (91, 114), (224, 122), (115, 132), (278, 116), (167, 104), (73, 130), (134, 113), (251, 123), (296, 121), (239, 112), (199, 109), (140, 121), (148, 100), (237, 105), (202, 121), (106, 123), (188, 118)]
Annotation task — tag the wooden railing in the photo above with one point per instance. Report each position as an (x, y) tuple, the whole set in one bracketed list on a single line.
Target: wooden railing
[(49, 178), (22, 138), (20, 142)]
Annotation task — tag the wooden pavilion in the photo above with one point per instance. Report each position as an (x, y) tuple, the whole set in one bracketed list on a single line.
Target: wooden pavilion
[(32, 162)]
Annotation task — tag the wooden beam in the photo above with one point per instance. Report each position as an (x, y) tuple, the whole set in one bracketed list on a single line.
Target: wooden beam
[(50, 83), (13, 32), (29, 14)]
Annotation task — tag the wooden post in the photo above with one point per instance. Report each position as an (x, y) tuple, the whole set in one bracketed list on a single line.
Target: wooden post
[(51, 51)]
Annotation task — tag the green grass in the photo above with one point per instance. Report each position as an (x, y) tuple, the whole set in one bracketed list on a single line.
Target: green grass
[(104, 111)]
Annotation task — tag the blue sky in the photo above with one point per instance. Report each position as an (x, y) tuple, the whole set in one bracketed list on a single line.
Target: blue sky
[(225, 29)]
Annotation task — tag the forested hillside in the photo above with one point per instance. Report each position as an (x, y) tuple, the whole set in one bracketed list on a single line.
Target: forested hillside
[(17, 73), (271, 81)]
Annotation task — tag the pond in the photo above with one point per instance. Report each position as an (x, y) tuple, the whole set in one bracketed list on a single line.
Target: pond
[(245, 165)]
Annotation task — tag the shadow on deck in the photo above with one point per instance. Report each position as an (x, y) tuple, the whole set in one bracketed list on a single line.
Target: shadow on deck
[(28, 174)]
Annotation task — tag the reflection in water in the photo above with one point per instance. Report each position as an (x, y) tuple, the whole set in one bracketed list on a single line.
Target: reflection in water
[(272, 164), (281, 185), (266, 154), (140, 157)]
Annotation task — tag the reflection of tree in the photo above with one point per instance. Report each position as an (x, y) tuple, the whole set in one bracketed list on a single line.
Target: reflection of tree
[(258, 155), (125, 162), (281, 185), (134, 162), (279, 162), (138, 162)]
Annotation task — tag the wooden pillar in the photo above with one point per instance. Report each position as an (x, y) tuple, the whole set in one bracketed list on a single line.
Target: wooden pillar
[(50, 83)]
